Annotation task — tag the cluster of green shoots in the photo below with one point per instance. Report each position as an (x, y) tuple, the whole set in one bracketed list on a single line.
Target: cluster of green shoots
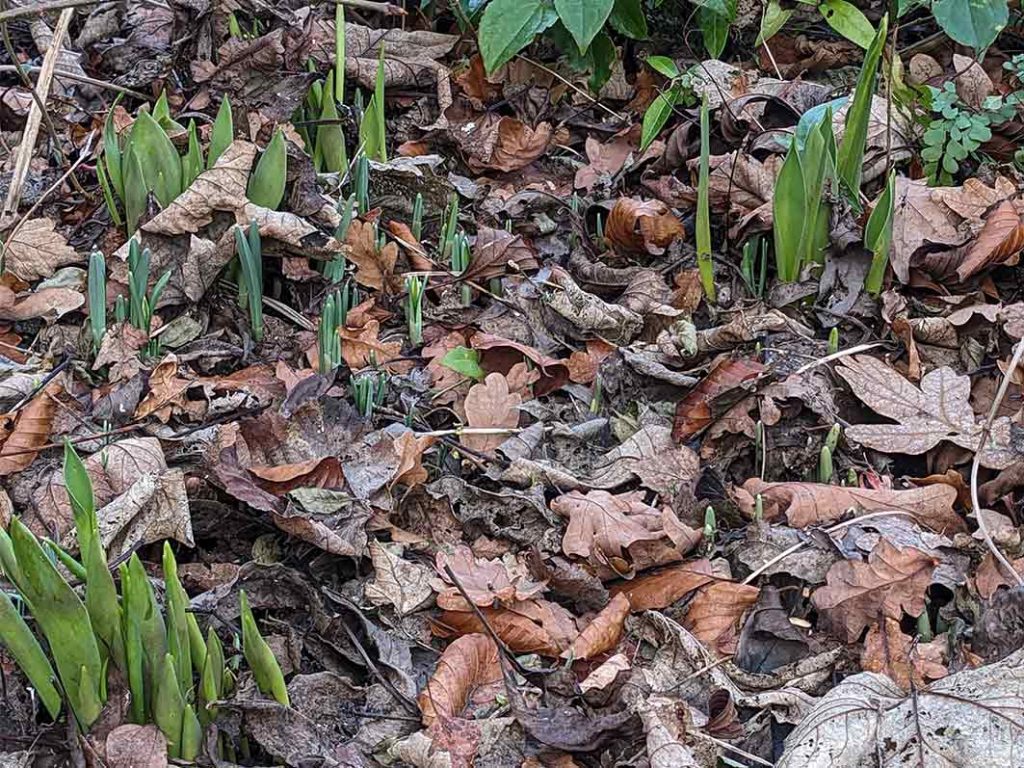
[(250, 260), (825, 469), (175, 675), (368, 391), (332, 317), (454, 247), (138, 308)]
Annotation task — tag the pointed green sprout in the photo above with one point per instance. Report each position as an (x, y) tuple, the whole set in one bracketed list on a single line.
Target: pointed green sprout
[(223, 133), (361, 182), (825, 468), (368, 391), (417, 215), (414, 309), (173, 715), (330, 138), (710, 526), (192, 161), (704, 262), (161, 166), (135, 192), (266, 187), (878, 236), (265, 668), (460, 263), (211, 682), (328, 341), (339, 53), (162, 115), (250, 256), (140, 303), (372, 128), (112, 152), (832, 438), (833, 340), (97, 298), (21, 644), (176, 602)]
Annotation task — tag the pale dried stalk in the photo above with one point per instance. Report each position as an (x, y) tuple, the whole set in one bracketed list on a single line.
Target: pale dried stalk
[(35, 114)]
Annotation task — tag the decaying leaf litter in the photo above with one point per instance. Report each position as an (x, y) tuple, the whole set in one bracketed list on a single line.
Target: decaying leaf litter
[(536, 425)]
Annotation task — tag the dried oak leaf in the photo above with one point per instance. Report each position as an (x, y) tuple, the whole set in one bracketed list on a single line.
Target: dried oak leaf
[(940, 410), (487, 582), (29, 430), (375, 266), (891, 582), (990, 575), (42, 302), (396, 581), (525, 626), (606, 159), (806, 504), (493, 252), (493, 142), (362, 347), (1000, 239), (640, 226), (892, 653), (36, 251), (651, 456), (715, 611), (660, 589), (617, 534), (501, 354), (725, 384), (468, 670), (490, 405), (603, 632)]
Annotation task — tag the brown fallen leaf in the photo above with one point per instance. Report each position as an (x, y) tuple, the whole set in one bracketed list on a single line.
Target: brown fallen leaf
[(42, 302), (606, 158), (642, 226), (167, 392), (36, 251), (29, 430), (396, 581), (136, 746), (715, 611), (990, 576), (1000, 239), (806, 504), (500, 354), (617, 534), (362, 347), (660, 589), (892, 653), (494, 142), (583, 366), (650, 456), (490, 405), (487, 582), (724, 385), (891, 582), (493, 252), (375, 266), (603, 632), (940, 410), (418, 258), (527, 626), (467, 670)]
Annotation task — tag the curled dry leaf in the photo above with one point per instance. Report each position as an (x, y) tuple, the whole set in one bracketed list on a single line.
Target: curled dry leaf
[(28, 430), (1000, 239), (362, 347), (658, 590), (603, 632), (940, 410), (640, 226), (36, 251), (487, 582), (526, 626), (490, 405), (715, 611), (375, 266), (501, 143), (726, 384), (651, 456), (892, 653), (891, 582), (806, 504), (497, 252), (589, 315), (467, 669)]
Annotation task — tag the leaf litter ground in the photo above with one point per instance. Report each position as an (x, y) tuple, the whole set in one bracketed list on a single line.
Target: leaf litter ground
[(505, 556)]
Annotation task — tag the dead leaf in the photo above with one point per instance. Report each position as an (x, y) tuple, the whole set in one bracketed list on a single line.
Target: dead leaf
[(603, 632), (490, 405), (396, 581), (973, 85), (167, 392), (494, 142), (494, 251), (120, 351), (362, 347), (639, 226), (42, 302), (660, 589), (29, 431), (36, 251), (651, 456), (375, 266), (606, 159), (890, 652), (939, 411), (1000, 239), (467, 670), (990, 576), (589, 315), (487, 582), (715, 611), (806, 504), (528, 626), (583, 366), (891, 582), (136, 746), (724, 385)]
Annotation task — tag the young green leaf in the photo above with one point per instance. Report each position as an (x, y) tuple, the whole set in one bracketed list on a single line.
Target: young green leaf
[(175, 603), (265, 668), (773, 19), (788, 207), (97, 285), (508, 26), (878, 235), (663, 65), (627, 18), (845, 18), (108, 192), (339, 53), (330, 138), (372, 128), (714, 28), (465, 361), (21, 644), (112, 150), (976, 23), (192, 161), (704, 262), (211, 681), (135, 193), (658, 114), (266, 187), (583, 18), (161, 166), (169, 705), (223, 132)]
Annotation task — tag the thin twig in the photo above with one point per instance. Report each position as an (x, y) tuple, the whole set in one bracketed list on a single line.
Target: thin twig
[(985, 431), (61, 74), (573, 86)]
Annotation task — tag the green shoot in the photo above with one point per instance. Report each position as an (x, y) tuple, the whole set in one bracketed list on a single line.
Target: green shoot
[(414, 308), (339, 53), (372, 128), (825, 469), (266, 186), (758, 508), (417, 215), (192, 161), (368, 391), (704, 262), (760, 449), (710, 527), (832, 439), (330, 152), (754, 265), (140, 303), (460, 263), (878, 236), (97, 298), (250, 257), (332, 317), (449, 228), (361, 182), (223, 133)]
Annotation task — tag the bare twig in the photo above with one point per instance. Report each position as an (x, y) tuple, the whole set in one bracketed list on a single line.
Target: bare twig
[(985, 431), (573, 86), (388, 9), (60, 74)]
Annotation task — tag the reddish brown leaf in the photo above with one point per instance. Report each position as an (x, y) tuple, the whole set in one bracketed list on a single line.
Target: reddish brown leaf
[(603, 632), (640, 226), (658, 590), (583, 366), (498, 143), (418, 258), (528, 626), (888, 651), (500, 354), (715, 611), (713, 396), (31, 431), (990, 576), (494, 250), (891, 582), (490, 405), (487, 582), (376, 266), (467, 669), (361, 345), (1001, 238), (806, 504)]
